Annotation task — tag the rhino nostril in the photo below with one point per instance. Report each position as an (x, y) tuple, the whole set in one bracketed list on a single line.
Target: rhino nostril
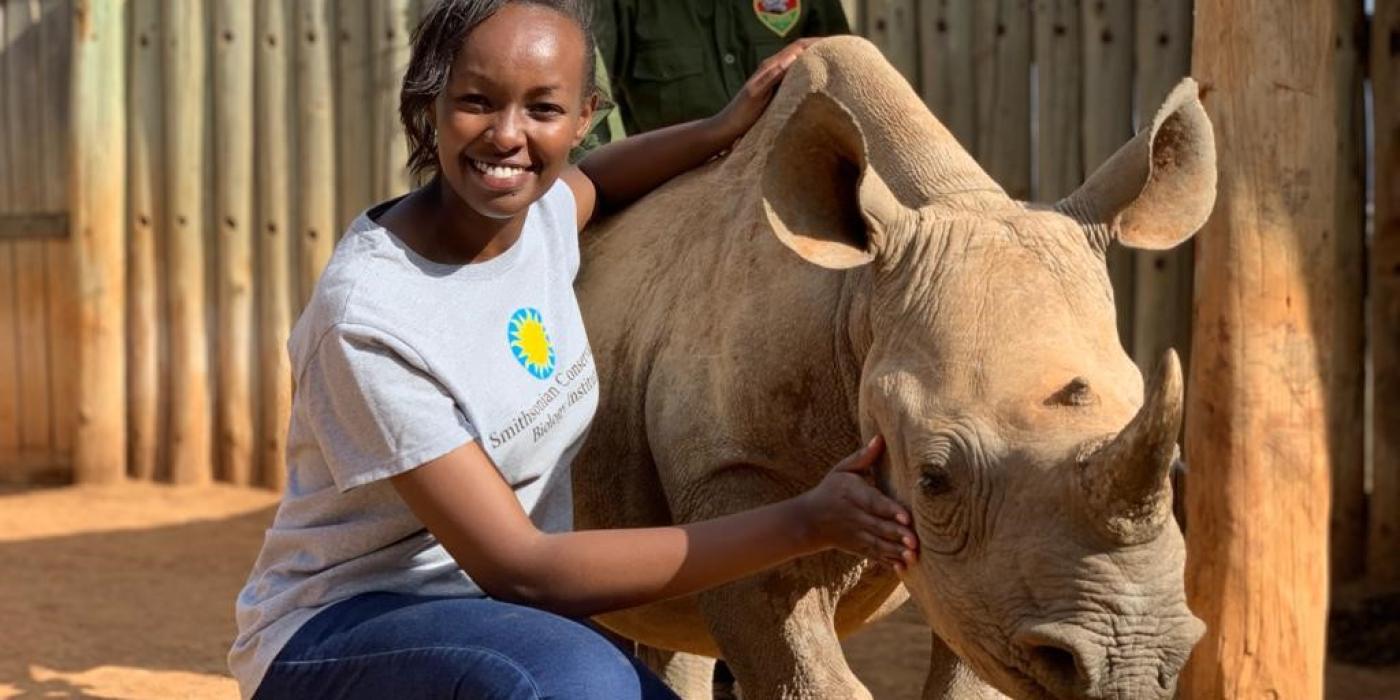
[(1056, 666)]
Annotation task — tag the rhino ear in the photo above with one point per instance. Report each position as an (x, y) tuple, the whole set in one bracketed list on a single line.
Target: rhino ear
[(1159, 188), (819, 195)]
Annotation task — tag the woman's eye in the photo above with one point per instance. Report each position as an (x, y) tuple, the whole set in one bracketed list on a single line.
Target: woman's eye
[(474, 103), (547, 109)]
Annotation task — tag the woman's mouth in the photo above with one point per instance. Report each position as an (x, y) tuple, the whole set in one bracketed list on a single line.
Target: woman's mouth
[(498, 176)]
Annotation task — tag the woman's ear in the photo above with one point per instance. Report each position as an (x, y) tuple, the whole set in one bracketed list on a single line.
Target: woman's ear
[(585, 118)]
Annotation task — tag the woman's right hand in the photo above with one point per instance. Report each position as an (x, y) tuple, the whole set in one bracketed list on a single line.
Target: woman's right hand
[(845, 511)]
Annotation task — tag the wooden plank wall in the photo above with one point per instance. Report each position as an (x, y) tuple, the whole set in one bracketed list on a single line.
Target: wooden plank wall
[(37, 411), (1040, 91)]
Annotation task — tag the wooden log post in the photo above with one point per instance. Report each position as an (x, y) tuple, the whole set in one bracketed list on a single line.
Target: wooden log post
[(56, 38), (9, 310), (1347, 425), (183, 25), (1267, 289), (97, 205), (1107, 110), (1001, 47), (1059, 71), (354, 83), (1383, 539), (272, 165), (945, 65), (233, 151), (1162, 279), (315, 143), (854, 14), (145, 156), (389, 25)]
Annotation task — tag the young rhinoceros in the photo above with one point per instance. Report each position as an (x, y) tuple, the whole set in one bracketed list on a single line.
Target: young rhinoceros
[(849, 269)]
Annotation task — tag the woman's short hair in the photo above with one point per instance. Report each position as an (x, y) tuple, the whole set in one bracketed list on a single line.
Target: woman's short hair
[(437, 40)]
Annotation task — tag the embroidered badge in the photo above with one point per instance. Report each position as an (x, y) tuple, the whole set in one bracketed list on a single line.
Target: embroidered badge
[(778, 15)]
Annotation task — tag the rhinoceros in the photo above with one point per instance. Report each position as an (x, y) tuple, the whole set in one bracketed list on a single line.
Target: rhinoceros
[(849, 269)]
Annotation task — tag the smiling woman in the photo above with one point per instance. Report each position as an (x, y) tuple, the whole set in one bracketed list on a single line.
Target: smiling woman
[(445, 383)]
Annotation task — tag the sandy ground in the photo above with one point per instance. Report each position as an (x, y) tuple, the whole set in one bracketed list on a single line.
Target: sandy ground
[(127, 592)]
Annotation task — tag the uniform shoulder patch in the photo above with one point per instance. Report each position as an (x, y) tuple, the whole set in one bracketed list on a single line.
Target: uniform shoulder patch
[(779, 16)]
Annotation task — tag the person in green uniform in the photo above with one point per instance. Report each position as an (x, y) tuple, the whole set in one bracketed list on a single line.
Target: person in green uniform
[(673, 61)]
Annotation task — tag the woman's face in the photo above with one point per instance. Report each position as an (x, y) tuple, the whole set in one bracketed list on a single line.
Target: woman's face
[(512, 109)]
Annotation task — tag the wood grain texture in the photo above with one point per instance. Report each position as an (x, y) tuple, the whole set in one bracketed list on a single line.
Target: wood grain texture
[(1267, 290), (1162, 282), (184, 28), (1383, 541), (97, 203), (389, 26), (1059, 97), (315, 143), (1107, 35), (233, 151), (1002, 79), (946, 68), (354, 88), (56, 38), (274, 242), (146, 389)]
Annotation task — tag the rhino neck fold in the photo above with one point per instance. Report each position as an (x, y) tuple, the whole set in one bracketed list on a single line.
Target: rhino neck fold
[(916, 156)]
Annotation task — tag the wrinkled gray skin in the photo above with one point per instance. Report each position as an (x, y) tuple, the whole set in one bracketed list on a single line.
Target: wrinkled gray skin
[(847, 270)]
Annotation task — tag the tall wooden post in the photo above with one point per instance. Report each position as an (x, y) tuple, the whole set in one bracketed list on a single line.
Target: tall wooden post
[(147, 222), (274, 247), (97, 202), (184, 28), (390, 26), (233, 150), (1266, 293), (315, 142), (1383, 562)]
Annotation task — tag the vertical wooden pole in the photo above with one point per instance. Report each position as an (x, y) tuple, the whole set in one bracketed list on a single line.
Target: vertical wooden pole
[(97, 205), (1162, 296), (21, 82), (354, 77), (945, 54), (274, 248), (1059, 88), (146, 155), (893, 26), (233, 151), (56, 33), (1383, 541), (1267, 289), (315, 143), (1348, 416), (1002, 69), (389, 24), (854, 10), (1108, 124), (184, 27)]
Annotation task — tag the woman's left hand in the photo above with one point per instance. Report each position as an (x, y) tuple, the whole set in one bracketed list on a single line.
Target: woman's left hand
[(740, 114)]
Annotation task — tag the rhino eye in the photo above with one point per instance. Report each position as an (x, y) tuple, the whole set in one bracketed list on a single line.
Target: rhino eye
[(935, 480)]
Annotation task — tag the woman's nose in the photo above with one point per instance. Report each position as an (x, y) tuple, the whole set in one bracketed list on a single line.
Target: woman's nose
[(506, 132)]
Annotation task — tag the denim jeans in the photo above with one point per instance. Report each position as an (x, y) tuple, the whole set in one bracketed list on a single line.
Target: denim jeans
[(391, 646)]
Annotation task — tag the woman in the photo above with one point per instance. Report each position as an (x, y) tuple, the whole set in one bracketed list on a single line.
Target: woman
[(444, 383)]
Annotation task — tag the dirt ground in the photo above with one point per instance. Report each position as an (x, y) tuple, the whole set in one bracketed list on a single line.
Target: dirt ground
[(127, 592)]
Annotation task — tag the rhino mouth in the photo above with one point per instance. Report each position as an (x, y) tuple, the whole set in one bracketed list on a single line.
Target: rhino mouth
[(1027, 687)]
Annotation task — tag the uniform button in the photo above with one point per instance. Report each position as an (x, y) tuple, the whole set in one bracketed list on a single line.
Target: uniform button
[(729, 58)]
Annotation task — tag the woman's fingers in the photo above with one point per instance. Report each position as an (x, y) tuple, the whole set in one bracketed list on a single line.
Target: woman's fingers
[(864, 459)]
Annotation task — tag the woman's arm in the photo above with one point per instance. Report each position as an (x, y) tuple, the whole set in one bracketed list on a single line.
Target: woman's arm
[(621, 172), (465, 503)]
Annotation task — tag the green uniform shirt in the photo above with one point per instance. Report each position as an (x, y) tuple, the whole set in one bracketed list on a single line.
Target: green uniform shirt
[(672, 61)]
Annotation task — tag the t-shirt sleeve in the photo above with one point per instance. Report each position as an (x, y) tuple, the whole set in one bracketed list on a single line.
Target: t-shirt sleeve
[(374, 408), (564, 221)]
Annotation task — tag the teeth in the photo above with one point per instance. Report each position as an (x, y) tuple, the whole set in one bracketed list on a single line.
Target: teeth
[(498, 171)]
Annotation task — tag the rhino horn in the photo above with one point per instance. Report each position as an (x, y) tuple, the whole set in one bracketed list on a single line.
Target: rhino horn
[(1125, 482)]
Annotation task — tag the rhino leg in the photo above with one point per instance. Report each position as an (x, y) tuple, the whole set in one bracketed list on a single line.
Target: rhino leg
[(951, 679), (778, 637), (691, 676)]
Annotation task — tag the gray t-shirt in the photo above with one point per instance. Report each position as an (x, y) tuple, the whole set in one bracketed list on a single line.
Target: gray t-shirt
[(399, 360)]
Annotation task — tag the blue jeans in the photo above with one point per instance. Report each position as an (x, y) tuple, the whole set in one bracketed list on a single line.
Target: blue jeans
[(386, 645)]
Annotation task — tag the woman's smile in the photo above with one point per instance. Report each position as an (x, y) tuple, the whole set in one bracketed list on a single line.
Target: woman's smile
[(500, 177)]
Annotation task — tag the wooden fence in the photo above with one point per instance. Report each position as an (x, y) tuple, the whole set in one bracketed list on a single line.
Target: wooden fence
[(255, 130)]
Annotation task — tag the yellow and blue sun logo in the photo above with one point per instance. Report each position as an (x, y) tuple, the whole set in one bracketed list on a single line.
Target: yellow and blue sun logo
[(529, 342)]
